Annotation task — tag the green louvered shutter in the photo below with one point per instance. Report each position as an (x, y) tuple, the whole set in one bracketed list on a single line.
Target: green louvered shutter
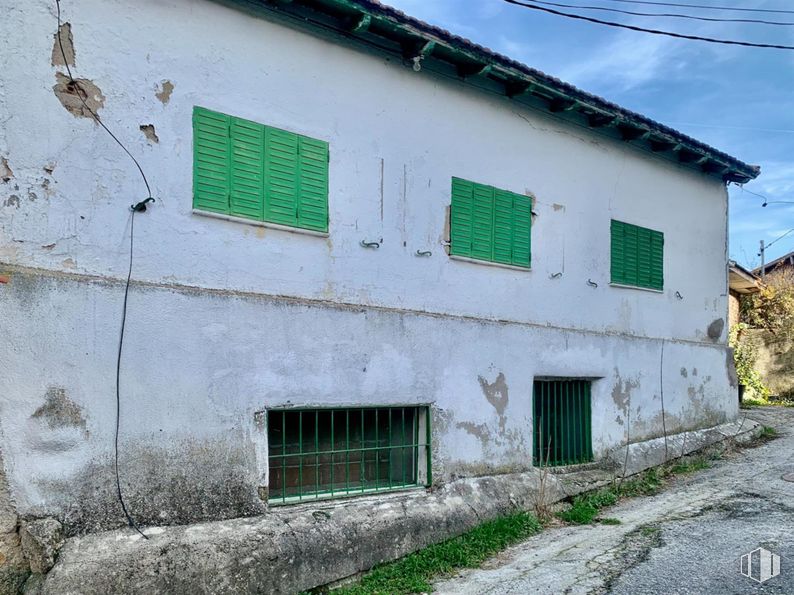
[(281, 177), (631, 254), (657, 260), (247, 169), (211, 167), (503, 226), (461, 217), (522, 230), (637, 256), (313, 178), (618, 253), (643, 257), (482, 222)]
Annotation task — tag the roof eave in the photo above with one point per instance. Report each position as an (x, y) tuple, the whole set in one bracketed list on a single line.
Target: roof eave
[(414, 41)]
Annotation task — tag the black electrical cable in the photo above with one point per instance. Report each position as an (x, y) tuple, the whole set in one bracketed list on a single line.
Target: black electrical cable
[(139, 207), (704, 7), (665, 14), (652, 31)]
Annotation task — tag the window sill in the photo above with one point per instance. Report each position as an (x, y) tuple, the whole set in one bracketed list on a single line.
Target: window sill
[(489, 263), (340, 497), (255, 223), (636, 287)]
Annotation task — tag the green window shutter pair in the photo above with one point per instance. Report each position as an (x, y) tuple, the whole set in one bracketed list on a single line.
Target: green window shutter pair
[(245, 169), (637, 256), (487, 223)]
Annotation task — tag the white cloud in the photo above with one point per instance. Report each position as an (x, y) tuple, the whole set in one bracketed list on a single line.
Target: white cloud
[(628, 61)]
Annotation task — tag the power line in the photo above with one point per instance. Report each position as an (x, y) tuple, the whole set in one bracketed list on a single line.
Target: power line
[(779, 238), (652, 31), (666, 14), (705, 7)]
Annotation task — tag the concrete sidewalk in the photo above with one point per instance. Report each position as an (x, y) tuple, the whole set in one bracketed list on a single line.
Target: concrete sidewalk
[(687, 539)]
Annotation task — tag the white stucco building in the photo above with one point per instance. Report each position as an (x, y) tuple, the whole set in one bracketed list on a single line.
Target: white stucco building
[(372, 243)]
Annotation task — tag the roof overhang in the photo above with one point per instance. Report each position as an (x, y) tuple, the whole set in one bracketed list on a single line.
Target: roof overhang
[(387, 30), (741, 280)]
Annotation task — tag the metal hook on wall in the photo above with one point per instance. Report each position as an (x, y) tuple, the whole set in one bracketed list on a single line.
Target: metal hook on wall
[(366, 244), (592, 283), (678, 295), (555, 275), (424, 253)]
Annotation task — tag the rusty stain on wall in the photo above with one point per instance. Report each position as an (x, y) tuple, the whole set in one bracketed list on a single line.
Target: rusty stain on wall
[(65, 33), (59, 411), (5, 170), (69, 93), (165, 90), (149, 132)]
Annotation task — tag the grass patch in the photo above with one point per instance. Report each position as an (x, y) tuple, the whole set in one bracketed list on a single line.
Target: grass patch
[(690, 465), (645, 484), (413, 573), (768, 432), (586, 506), (749, 403), (609, 521)]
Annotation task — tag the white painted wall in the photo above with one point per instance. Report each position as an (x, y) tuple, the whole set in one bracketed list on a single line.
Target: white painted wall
[(198, 364), (424, 130)]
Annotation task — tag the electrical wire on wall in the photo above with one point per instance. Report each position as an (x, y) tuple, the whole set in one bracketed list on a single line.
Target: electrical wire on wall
[(138, 207), (661, 397)]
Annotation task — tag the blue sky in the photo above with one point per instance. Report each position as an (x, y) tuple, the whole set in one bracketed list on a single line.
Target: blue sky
[(739, 100)]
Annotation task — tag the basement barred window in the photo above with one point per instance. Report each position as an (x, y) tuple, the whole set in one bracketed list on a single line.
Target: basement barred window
[(327, 453), (561, 422)]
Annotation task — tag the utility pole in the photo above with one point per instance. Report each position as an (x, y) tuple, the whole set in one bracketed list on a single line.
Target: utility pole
[(761, 254)]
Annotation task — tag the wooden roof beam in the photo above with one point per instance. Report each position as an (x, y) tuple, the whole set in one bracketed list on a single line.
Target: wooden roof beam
[(601, 120), (467, 69)]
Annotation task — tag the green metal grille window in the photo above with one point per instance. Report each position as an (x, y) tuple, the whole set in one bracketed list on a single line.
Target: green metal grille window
[(326, 453), (487, 223), (561, 422), (245, 169), (637, 256)]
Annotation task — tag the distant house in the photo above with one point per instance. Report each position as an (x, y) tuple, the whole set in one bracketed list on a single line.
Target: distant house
[(382, 258), (741, 282), (786, 260)]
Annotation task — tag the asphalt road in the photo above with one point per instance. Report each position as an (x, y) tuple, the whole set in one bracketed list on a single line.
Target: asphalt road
[(687, 539)]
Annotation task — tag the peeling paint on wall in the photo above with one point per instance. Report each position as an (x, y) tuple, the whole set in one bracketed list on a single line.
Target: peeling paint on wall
[(67, 41), (621, 392), (68, 93), (495, 392), (149, 133), (164, 92), (5, 170)]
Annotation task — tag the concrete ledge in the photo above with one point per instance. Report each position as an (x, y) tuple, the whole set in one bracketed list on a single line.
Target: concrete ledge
[(652, 453), (292, 549)]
